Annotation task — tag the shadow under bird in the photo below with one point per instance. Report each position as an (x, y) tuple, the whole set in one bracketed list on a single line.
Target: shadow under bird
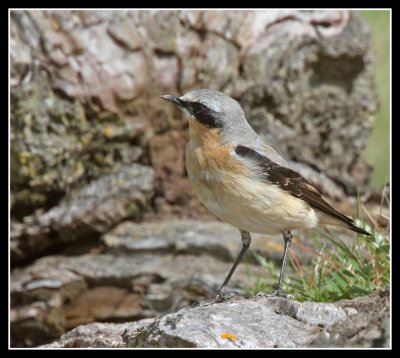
[(245, 182)]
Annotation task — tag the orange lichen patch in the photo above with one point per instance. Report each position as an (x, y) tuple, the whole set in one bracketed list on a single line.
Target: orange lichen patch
[(108, 131), (275, 246), (278, 246), (228, 335)]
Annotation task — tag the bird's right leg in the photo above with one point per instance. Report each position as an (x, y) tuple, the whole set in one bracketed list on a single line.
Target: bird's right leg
[(287, 238), (246, 240)]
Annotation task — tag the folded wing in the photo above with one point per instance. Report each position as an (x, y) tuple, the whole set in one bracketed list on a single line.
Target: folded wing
[(291, 181)]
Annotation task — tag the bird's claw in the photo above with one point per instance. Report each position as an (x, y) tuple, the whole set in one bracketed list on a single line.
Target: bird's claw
[(221, 296), (276, 293), (224, 296)]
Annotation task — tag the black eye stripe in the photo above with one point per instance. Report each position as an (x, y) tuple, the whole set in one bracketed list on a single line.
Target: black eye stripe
[(205, 115), (197, 108)]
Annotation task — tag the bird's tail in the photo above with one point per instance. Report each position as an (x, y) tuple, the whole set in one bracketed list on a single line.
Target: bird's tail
[(344, 221), (355, 228)]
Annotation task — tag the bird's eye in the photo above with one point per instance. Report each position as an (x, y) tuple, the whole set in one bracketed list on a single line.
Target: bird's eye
[(205, 115), (196, 108)]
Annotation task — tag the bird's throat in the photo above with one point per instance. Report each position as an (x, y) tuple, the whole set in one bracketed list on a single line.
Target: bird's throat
[(203, 136)]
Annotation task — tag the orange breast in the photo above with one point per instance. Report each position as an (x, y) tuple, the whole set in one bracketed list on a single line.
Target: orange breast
[(208, 161)]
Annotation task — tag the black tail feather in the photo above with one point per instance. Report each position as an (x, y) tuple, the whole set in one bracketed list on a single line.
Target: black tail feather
[(353, 227)]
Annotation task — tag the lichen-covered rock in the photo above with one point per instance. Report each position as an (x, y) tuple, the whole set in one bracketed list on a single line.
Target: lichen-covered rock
[(257, 322), (304, 78), (93, 145), (57, 293), (305, 90), (89, 212), (194, 237), (58, 145), (267, 322), (94, 335)]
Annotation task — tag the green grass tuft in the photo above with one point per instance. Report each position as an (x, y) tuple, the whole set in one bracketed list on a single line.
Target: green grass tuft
[(339, 269), (344, 271)]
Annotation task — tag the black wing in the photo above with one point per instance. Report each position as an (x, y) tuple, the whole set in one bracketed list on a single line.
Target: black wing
[(289, 180)]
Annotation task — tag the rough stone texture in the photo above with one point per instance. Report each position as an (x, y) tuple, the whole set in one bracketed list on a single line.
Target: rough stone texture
[(265, 322), (93, 145), (310, 85), (94, 335), (89, 212), (137, 275), (140, 270), (257, 322), (192, 237), (213, 238), (58, 145), (304, 78), (57, 293)]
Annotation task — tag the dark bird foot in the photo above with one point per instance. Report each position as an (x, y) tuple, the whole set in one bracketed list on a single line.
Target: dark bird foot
[(220, 297), (204, 303), (276, 293), (225, 296)]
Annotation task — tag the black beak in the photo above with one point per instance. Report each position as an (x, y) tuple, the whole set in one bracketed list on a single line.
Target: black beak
[(173, 99)]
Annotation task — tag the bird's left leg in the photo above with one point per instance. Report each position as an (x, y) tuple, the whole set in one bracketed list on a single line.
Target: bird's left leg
[(287, 238), (246, 240)]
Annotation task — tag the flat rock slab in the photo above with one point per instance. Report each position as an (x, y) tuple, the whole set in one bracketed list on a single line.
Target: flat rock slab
[(195, 237), (57, 293), (94, 335), (267, 322), (96, 208)]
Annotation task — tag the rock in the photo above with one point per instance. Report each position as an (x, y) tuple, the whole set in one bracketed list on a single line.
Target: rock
[(90, 212), (214, 238), (53, 285), (94, 335), (105, 303), (37, 299), (58, 145), (57, 293), (368, 325), (314, 88), (266, 322), (304, 78), (123, 271), (194, 237), (92, 146)]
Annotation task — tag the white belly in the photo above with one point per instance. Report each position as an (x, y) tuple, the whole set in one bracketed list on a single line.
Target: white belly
[(251, 204)]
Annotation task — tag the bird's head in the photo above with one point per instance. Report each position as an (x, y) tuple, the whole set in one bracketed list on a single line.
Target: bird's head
[(211, 112)]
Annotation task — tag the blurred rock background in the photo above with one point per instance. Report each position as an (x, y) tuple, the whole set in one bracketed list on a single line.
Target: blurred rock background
[(102, 212), (380, 136)]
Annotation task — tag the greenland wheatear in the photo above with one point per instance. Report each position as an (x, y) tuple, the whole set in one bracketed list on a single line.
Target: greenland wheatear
[(245, 182)]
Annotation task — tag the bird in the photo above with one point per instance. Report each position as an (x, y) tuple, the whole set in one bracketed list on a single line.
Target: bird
[(245, 182)]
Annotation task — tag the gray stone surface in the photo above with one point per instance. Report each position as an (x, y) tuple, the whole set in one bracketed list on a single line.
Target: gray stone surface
[(57, 293), (206, 237), (94, 335), (92, 145), (265, 322), (60, 145), (256, 322), (104, 269), (89, 212), (193, 237), (141, 270), (85, 88)]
